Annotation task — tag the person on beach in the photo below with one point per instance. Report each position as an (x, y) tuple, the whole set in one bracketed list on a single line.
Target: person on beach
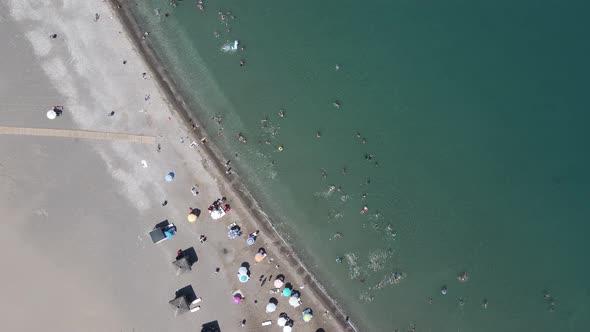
[(164, 203), (202, 238), (111, 113), (179, 254), (53, 36), (194, 190)]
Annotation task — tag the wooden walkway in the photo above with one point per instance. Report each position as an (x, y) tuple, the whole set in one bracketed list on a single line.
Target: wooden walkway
[(77, 134)]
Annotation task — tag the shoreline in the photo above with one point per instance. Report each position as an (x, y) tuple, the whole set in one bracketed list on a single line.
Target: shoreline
[(240, 191)]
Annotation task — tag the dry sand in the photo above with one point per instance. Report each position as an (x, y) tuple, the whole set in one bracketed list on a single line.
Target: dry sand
[(77, 212)]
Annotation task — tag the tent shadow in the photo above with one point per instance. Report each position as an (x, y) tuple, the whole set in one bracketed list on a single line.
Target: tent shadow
[(211, 327), (187, 292)]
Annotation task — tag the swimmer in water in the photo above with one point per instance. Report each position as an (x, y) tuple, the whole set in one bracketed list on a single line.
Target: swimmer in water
[(461, 301), (343, 170), (364, 141), (358, 135), (242, 63), (369, 157), (364, 195), (337, 67), (336, 103), (337, 235), (318, 134), (281, 113), (331, 188), (324, 173), (484, 304), (444, 290), (463, 277)]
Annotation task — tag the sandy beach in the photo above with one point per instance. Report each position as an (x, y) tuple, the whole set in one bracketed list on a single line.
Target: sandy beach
[(78, 211)]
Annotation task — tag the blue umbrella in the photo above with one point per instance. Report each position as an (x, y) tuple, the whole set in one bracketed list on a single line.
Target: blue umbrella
[(243, 277), (250, 241), (287, 292)]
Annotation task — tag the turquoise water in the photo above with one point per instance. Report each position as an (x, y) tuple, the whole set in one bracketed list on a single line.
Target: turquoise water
[(475, 115)]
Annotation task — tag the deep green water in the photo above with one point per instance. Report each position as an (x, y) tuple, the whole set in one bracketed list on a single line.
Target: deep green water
[(476, 113)]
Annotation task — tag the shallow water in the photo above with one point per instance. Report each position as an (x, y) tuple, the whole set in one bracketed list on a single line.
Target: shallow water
[(474, 117)]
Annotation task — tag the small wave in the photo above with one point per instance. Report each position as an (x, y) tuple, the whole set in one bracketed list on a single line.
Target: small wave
[(354, 271), (366, 297), (230, 47), (377, 259), (388, 280)]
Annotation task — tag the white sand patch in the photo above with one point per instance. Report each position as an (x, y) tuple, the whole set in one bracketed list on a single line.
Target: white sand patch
[(40, 42)]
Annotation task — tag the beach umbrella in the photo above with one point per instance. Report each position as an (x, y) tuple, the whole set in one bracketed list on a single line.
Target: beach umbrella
[(271, 307), (191, 217), (287, 329), (51, 114), (243, 277), (169, 177), (278, 283), (237, 299), (287, 292), (294, 301), (282, 321), (306, 315), (259, 257), (250, 240), (243, 270)]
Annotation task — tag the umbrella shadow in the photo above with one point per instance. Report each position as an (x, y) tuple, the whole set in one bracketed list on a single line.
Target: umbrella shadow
[(288, 285), (273, 300), (281, 277), (320, 330), (162, 224), (247, 266), (196, 212), (211, 327), (187, 292)]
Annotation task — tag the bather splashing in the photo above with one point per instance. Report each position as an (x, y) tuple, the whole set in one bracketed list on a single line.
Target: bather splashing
[(230, 47)]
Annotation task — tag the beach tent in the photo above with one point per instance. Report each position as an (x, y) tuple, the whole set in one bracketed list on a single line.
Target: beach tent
[(183, 264), (287, 329), (271, 307), (180, 303)]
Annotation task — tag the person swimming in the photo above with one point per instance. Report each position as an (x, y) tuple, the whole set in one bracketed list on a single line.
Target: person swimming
[(336, 103), (444, 290), (318, 134), (281, 113)]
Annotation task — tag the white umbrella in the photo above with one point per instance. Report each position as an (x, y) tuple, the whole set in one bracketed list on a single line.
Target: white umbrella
[(271, 307), (294, 301), (51, 114), (282, 321), (287, 329), (243, 270)]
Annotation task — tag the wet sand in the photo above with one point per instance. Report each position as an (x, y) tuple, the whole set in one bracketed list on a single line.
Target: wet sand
[(78, 211)]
